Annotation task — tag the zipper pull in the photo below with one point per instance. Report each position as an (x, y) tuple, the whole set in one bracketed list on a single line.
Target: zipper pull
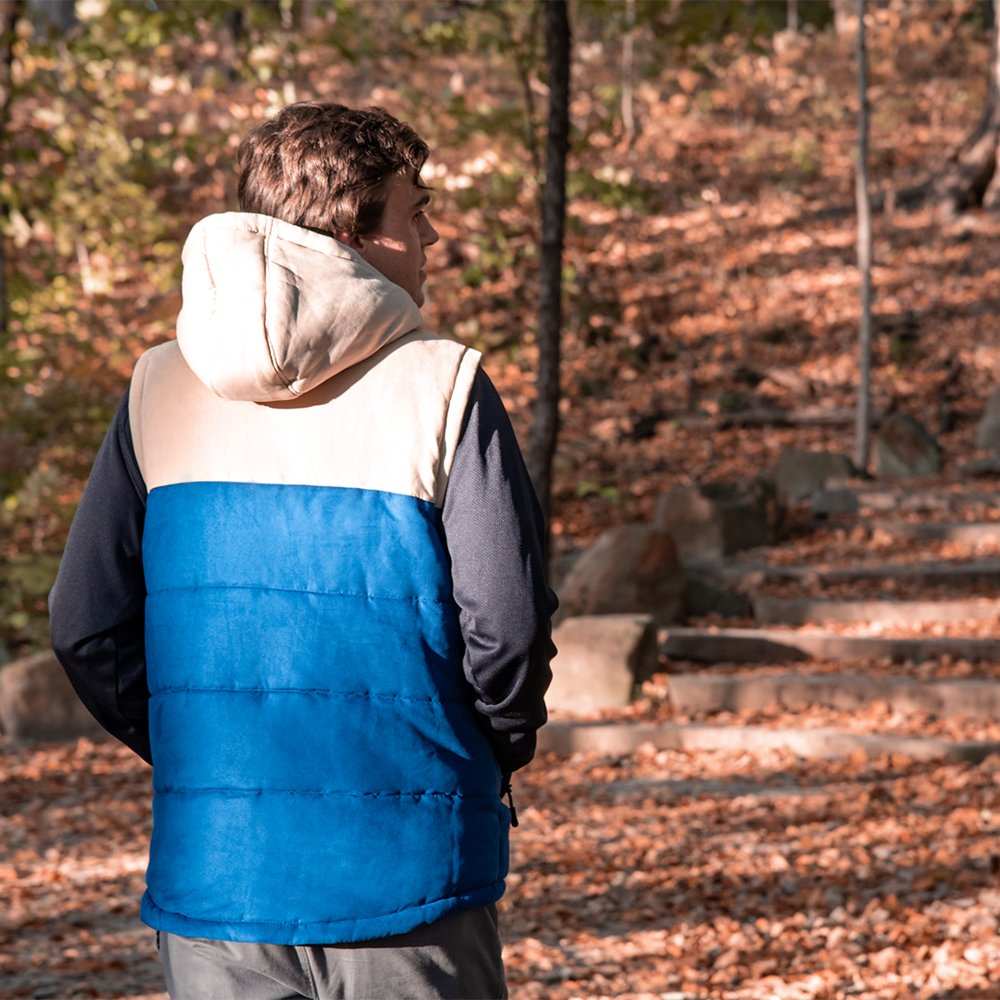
[(510, 799)]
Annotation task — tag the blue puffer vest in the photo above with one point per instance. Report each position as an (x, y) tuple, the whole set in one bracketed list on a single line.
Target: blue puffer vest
[(319, 772)]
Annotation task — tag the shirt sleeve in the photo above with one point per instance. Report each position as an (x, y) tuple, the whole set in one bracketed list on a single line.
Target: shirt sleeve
[(495, 530), (97, 603)]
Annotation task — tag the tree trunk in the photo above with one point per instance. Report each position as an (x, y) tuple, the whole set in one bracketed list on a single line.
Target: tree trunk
[(863, 425), (523, 50), (545, 424), (628, 74), (10, 11), (304, 13), (792, 16), (970, 177), (236, 24)]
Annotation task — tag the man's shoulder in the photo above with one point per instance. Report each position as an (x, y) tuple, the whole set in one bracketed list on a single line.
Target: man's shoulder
[(429, 354), (156, 356), (433, 342), (168, 348)]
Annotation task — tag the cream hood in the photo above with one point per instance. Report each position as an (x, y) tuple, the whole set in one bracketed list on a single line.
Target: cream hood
[(270, 310)]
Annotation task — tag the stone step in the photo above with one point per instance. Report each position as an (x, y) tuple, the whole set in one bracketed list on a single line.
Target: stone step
[(768, 610), (625, 737), (749, 575), (956, 489), (971, 532), (749, 645), (910, 499), (765, 788), (771, 416), (714, 692)]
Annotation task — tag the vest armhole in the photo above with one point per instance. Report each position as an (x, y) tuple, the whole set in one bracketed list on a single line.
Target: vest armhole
[(135, 401), (457, 403)]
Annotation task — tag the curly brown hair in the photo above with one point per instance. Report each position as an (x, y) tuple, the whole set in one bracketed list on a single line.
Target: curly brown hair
[(325, 166)]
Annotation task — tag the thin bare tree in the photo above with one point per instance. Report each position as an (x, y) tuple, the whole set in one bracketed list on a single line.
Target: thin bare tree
[(971, 177), (545, 423), (792, 16), (523, 49), (628, 74), (10, 11), (304, 12), (864, 210)]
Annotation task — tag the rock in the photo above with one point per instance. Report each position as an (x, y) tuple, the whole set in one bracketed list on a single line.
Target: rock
[(631, 568), (789, 380), (601, 661), (646, 425), (801, 474), (705, 594), (747, 376), (734, 401), (560, 567), (37, 701), (712, 520), (903, 334), (980, 468), (834, 502), (905, 448), (988, 431)]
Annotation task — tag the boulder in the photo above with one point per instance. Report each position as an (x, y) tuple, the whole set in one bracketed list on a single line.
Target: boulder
[(712, 520), (835, 502), (37, 701), (801, 474), (706, 594), (980, 468), (904, 448), (988, 431), (560, 566), (789, 380), (602, 660), (631, 568)]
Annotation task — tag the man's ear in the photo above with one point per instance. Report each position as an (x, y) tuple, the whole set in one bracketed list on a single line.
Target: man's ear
[(351, 239)]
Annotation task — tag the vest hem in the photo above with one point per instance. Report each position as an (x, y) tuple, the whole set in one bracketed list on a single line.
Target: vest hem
[(294, 932)]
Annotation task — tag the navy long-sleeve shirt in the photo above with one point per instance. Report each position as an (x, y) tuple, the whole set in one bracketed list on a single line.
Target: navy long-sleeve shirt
[(493, 529)]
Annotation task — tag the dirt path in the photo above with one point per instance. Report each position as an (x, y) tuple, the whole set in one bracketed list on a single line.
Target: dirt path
[(660, 874)]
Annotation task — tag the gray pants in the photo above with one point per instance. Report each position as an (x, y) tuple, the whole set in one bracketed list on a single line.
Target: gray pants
[(456, 957)]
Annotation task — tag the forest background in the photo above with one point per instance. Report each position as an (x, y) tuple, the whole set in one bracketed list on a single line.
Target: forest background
[(710, 253), (710, 322)]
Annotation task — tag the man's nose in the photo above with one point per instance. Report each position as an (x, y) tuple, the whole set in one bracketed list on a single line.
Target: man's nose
[(430, 236)]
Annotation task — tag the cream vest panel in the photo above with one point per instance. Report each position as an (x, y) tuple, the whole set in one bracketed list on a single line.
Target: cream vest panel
[(390, 422)]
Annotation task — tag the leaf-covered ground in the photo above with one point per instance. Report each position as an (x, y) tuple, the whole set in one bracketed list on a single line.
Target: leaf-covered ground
[(708, 269), (706, 275), (724, 876)]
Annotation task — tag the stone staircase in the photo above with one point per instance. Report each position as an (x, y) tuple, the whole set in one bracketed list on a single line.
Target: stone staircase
[(882, 652)]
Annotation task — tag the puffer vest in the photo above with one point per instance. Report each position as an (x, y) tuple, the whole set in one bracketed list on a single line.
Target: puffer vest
[(319, 772)]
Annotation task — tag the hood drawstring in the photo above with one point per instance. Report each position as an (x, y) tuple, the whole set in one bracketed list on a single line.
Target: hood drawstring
[(510, 799)]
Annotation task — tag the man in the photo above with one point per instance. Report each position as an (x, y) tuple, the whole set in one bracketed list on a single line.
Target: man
[(305, 582)]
